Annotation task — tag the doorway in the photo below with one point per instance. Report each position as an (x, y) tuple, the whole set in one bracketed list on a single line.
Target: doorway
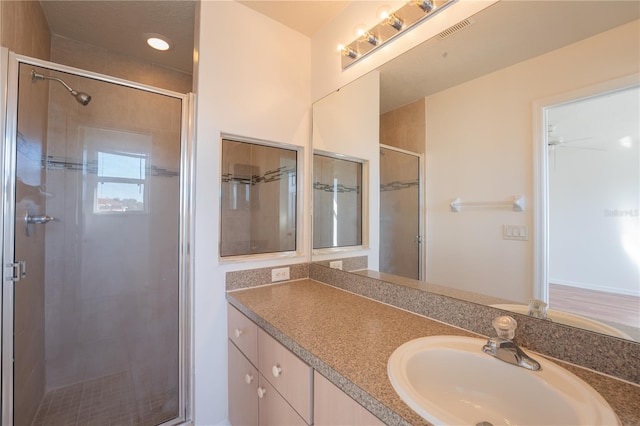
[(95, 230), (592, 194)]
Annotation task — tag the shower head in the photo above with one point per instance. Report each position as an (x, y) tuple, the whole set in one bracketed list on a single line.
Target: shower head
[(81, 97)]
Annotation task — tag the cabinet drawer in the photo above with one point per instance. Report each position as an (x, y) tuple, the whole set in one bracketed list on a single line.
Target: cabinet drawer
[(274, 410), (287, 373), (243, 384), (244, 333)]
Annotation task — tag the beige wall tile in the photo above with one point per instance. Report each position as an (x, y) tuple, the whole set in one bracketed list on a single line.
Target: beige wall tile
[(77, 54), (171, 79), (405, 127), (25, 29)]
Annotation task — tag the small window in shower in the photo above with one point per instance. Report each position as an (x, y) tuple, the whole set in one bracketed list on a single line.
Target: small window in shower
[(258, 199), (120, 183)]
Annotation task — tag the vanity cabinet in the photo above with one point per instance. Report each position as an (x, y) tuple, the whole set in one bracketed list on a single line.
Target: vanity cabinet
[(332, 407), (268, 385)]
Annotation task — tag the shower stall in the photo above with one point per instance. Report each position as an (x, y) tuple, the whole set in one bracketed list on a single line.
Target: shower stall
[(96, 207)]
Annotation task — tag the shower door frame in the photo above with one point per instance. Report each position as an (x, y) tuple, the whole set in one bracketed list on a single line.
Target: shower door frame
[(9, 70)]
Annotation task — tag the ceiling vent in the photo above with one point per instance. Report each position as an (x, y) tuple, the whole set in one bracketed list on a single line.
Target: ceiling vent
[(455, 28)]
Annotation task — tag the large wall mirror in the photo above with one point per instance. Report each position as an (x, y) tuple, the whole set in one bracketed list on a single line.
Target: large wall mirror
[(337, 201), (535, 102)]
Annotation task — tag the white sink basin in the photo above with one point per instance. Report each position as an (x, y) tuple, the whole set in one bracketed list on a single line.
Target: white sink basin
[(448, 380), (569, 319)]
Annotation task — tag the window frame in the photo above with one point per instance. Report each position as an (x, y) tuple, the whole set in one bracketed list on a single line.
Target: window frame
[(111, 179), (364, 222), (300, 197)]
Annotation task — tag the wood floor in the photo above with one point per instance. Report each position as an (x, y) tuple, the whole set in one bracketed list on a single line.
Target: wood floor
[(607, 307)]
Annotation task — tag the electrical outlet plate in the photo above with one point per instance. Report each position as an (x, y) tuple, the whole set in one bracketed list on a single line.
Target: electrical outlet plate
[(279, 274), (336, 264)]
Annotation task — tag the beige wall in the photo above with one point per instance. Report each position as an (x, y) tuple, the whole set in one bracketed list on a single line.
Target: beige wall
[(91, 58), (25, 29), (259, 90), (404, 127), (480, 148)]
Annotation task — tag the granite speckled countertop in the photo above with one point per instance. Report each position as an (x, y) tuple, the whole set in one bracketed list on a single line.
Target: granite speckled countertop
[(349, 338)]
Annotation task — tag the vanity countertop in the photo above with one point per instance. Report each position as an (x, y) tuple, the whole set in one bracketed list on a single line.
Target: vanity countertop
[(349, 338)]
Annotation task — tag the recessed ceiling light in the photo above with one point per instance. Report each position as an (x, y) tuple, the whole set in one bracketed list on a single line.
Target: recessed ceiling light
[(158, 42)]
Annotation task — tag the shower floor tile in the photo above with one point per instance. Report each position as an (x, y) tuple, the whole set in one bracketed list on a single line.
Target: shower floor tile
[(106, 401)]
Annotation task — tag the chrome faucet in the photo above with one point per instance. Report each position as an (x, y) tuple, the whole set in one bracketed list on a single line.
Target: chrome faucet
[(504, 348)]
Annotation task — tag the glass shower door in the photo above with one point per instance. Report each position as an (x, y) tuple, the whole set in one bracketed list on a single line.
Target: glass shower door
[(97, 313), (400, 239)]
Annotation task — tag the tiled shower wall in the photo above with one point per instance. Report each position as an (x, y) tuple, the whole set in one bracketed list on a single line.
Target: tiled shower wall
[(258, 199), (108, 295), (91, 58), (405, 127), (112, 299), (24, 29)]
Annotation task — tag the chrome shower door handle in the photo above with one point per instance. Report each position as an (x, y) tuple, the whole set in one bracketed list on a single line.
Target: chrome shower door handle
[(39, 219), (35, 219)]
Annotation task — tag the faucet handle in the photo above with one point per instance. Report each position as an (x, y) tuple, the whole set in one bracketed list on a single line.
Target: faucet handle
[(505, 327), (537, 308)]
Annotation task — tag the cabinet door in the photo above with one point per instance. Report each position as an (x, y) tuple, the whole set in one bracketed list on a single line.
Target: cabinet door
[(273, 409), (243, 384), (332, 407), (287, 373), (243, 332)]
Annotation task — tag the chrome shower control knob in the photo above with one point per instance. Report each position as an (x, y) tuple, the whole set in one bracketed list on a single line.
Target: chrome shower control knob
[(276, 370)]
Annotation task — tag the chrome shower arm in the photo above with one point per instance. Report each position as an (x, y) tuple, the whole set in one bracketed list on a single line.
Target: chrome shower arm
[(37, 76)]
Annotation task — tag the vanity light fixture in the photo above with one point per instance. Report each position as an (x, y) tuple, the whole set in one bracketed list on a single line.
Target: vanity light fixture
[(425, 5), (390, 25), (370, 38), (347, 52), (395, 22), (158, 42)]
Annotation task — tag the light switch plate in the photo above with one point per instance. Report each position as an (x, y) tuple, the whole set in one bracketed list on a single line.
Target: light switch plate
[(515, 232)]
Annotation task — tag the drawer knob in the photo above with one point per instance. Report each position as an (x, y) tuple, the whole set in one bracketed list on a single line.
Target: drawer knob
[(276, 370), (248, 378), (238, 332), (261, 392)]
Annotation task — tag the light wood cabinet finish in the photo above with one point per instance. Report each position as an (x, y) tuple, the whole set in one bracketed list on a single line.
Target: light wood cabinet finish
[(287, 373), (243, 384), (268, 385), (274, 410), (332, 407), (244, 333)]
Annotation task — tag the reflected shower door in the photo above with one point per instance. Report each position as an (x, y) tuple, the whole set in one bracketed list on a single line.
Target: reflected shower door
[(400, 239), (97, 316)]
